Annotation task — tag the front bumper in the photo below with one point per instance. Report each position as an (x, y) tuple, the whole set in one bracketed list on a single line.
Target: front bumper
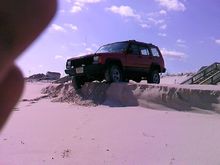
[(89, 71)]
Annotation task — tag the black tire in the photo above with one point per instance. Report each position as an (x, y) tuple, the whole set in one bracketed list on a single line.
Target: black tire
[(77, 82), (154, 77), (113, 74)]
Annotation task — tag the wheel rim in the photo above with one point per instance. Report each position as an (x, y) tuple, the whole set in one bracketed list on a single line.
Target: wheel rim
[(116, 76), (156, 78)]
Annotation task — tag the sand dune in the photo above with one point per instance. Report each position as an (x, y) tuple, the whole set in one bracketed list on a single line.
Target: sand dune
[(179, 97)]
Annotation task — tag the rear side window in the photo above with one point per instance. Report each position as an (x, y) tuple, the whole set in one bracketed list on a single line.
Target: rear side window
[(155, 52), (144, 51)]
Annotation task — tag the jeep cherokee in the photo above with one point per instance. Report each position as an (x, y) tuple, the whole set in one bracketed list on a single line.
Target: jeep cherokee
[(118, 62)]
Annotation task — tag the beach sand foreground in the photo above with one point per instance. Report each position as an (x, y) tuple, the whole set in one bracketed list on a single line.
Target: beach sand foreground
[(139, 127)]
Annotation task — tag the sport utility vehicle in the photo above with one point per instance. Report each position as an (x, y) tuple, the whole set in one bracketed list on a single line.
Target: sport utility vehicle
[(118, 62)]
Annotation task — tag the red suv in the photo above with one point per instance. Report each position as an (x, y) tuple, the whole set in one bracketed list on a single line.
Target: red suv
[(118, 62)]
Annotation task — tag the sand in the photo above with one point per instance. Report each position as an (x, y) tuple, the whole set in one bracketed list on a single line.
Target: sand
[(138, 124)]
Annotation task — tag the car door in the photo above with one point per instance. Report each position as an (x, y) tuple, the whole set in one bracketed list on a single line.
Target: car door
[(133, 57), (146, 58)]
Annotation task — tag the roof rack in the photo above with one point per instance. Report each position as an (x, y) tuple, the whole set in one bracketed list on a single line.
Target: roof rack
[(141, 42)]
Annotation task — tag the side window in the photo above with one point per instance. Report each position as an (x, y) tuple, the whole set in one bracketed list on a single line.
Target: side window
[(134, 49), (155, 52), (144, 51)]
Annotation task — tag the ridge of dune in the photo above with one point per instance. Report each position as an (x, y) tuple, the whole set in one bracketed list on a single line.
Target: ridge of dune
[(179, 97)]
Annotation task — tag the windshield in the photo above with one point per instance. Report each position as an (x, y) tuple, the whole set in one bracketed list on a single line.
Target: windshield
[(115, 47)]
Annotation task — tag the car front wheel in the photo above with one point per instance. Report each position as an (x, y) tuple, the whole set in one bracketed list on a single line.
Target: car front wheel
[(114, 74), (77, 82)]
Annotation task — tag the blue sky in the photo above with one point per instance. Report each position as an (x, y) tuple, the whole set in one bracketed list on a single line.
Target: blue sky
[(186, 31)]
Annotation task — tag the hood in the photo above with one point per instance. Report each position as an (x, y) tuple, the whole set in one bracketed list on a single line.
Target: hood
[(82, 56), (112, 54)]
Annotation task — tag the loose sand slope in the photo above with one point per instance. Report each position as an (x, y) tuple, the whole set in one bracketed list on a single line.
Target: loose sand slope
[(103, 124), (179, 97)]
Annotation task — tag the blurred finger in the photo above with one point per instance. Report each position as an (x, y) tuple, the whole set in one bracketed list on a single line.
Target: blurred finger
[(21, 21), (10, 89)]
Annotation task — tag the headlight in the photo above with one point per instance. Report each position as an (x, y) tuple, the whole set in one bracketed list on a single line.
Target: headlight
[(96, 59), (68, 63)]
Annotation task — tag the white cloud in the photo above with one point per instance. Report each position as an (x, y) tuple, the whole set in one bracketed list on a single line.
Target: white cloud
[(175, 5), (86, 52), (88, 1), (173, 54), (89, 50), (71, 26), (148, 20), (157, 14), (163, 26), (144, 20), (217, 41), (59, 57), (81, 54), (125, 11), (76, 9), (163, 12), (180, 41), (58, 28), (162, 34), (155, 21), (144, 25), (79, 4)]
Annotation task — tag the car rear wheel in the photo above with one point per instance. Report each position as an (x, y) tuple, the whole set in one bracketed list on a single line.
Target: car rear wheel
[(77, 82), (114, 74), (154, 77)]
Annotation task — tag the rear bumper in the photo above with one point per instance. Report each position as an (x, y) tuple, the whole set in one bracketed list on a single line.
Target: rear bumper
[(164, 70), (89, 71)]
